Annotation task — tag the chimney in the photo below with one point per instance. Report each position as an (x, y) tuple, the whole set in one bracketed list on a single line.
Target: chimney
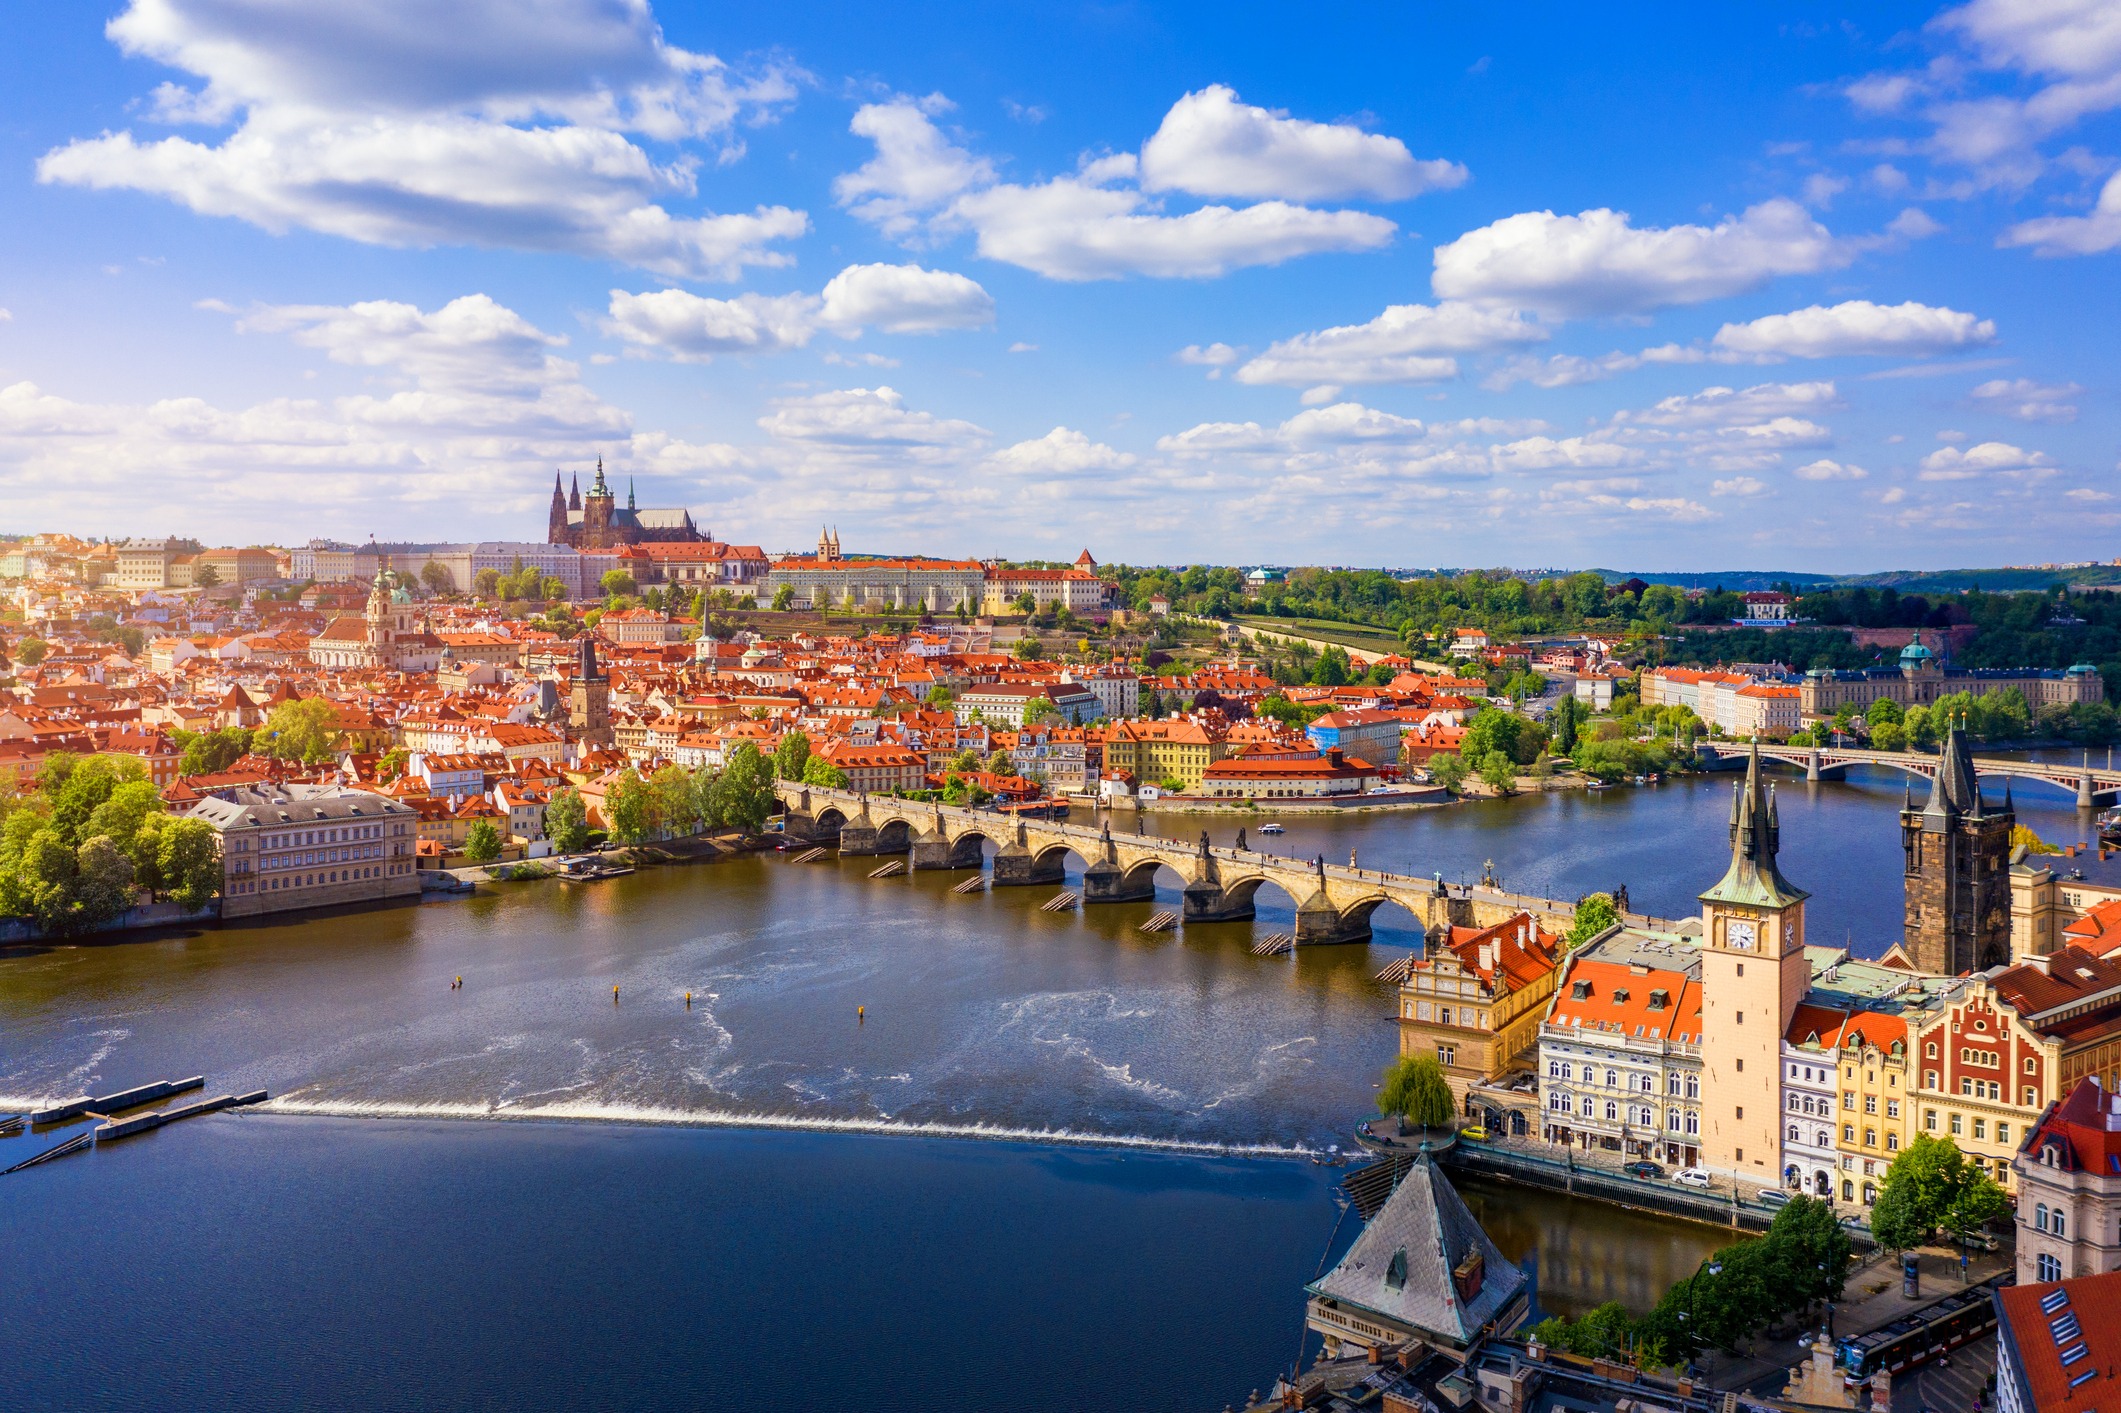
[(1333, 756)]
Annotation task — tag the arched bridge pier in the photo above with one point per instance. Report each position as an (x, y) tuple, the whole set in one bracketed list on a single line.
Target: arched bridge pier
[(2092, 786)]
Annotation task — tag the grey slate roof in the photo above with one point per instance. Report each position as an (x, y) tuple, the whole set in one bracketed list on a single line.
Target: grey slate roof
[(1401, 1267), (293, 804), (1753, 880)]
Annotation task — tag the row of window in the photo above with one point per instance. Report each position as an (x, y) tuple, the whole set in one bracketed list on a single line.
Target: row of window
[(1641, 1115), (1675, 1084), (309, 880)]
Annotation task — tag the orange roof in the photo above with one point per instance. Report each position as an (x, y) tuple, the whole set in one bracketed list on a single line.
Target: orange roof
[(1618, 998)]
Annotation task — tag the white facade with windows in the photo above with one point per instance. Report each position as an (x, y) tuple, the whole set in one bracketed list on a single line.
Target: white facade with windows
[(1808, 1153)]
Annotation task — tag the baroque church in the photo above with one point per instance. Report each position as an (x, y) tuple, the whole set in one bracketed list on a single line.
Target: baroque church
[(391, 634), (596, 521)]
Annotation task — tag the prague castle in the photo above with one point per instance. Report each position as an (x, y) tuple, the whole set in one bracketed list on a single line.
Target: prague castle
[(596, 522)]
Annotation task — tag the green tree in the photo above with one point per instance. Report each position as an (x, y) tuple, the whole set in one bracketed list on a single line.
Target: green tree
[(630, 807), (104, 881), (941, 696), (1499, 773), (211, 752), (1922, 728), (552, 589), (486, 583), (482, 845), (298, 730), (617, 583), (783, 598), (188, 862), (1594, 915), (567, 820), (676, 807), (1000, 763), (743, 793), (965, 762), (205, 576), (31, 651), (824, 774), (436, 577), (1931, 1185), (391, 764), (1414, 1087), (1028, 649), (790, 756), (1568, 712), (1448, 769)]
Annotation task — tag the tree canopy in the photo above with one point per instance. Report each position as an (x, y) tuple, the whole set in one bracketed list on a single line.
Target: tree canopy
[(1414, 1087)]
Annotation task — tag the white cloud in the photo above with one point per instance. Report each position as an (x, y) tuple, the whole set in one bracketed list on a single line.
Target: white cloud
[(897, 299), (916, 169), (1825, 470), (1820, 189), (693, 329), (1599, 262), (870, 421), (1728, 407), (1988, 458), (1022, 347), (1854, 327), (1566, 370), (1408, 343), (379, 121), (1062, 452), (2027, 400), (1743, 486), (1572, 453), (1214, 355), (472, 409), (1210, 144), (905, 299), (1321, 395), (1090, 225), (1072, 229), (2094, 233)]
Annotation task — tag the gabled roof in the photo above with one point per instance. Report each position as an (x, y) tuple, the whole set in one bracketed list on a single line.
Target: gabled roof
[(1407, 1265)]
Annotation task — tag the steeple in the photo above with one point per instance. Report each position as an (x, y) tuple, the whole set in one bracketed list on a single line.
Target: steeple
[(586, 668), (629, 493), (574, 497), (599, 488), (1753, 880), (556, 519), (1955, 789)]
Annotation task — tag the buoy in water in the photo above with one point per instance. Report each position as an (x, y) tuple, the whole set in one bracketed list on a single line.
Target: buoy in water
[(861, 1015), (688, 1000), (614, 995)]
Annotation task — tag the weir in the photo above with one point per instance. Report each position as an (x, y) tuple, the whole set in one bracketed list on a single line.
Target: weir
[(1334, 904)]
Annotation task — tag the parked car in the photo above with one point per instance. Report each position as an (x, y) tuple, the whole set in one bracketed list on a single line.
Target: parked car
[(1979, 1241), (1772, 1197), (1692, 1177), (1476, 1132), (1644, 1169)]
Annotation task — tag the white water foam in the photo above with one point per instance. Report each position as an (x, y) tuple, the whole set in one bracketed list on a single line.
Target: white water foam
[(714, 1118)]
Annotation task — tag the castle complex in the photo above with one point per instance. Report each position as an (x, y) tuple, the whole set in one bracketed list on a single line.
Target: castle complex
[(595, 521)]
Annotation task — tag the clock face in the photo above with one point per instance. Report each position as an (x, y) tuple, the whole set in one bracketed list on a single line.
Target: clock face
[(1739, 933)]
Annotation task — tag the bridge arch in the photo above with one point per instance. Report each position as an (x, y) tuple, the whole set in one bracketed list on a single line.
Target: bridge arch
[(1399, 920), (894, 836)]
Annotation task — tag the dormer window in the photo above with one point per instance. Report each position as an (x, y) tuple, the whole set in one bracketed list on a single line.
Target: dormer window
[(1660, 999), (1581, 991), (1620, 995), (1396, 1272)]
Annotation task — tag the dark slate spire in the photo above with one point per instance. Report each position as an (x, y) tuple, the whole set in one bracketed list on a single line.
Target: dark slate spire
[(1955, 789), (629, 493), (1753, 880), (574, 497), (586, 667)]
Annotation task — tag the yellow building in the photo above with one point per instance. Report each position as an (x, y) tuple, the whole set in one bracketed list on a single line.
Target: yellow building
[(1877, 1111), (1156, 751)]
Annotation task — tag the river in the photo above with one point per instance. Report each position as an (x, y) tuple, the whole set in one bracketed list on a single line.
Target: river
[(525, 1191)]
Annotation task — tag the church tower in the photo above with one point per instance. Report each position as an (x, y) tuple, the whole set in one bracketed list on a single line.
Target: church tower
[(574, 496), (597, 508), (1957, 891), (1753, 975), (589, 696), (556, 519)]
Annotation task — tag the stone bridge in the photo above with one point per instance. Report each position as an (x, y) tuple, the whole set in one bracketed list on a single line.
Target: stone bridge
[(2093, 787), (1333, 903)]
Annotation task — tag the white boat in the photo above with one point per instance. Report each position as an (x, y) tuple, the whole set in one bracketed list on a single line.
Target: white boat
[(1270, 827)]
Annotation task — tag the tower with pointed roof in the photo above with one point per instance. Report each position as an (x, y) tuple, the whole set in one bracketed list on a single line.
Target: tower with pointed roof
[(1753, 976), (1957, 890), (589, 695), (556, 518)]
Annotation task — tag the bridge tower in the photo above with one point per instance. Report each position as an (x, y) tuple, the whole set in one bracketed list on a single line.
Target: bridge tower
[(1957, 890), (1753, 975)]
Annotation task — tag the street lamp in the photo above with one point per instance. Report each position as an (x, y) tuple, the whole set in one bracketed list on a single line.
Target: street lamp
[(1714, 1268)]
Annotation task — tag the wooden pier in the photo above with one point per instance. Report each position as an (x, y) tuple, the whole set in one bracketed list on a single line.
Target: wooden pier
[(971, 885), (890, 870), (809, 855), (1059, 903), (1162, 921), (1274, 944), (112, 1103)]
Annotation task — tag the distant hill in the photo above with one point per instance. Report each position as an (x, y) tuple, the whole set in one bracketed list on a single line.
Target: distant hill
[(1907, 581)]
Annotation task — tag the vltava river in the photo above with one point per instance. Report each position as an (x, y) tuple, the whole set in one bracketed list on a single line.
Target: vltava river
[(1149, 1204)]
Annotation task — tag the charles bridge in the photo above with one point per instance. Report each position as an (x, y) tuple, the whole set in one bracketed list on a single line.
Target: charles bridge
[(1333, 903), (2093, 787)]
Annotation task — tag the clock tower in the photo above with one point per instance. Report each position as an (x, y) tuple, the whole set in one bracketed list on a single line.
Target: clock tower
[(1753, 975)]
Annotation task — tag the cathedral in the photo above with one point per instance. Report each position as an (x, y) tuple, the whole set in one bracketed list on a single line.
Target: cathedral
[(595, 521)]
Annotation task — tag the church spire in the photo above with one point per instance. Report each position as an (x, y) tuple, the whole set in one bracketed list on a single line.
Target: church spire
[(1753, 878), (574, 496), (629, 492)]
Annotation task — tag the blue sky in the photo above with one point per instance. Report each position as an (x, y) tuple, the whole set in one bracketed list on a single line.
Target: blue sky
[(1753, 286)]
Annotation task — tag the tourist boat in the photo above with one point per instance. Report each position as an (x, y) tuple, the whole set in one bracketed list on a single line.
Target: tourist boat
[(1596, 784), (2110, 826), (1270, 827)]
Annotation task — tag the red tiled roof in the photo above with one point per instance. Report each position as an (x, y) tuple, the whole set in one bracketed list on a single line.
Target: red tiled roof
[(1680, 1018), (2040, 1342)]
